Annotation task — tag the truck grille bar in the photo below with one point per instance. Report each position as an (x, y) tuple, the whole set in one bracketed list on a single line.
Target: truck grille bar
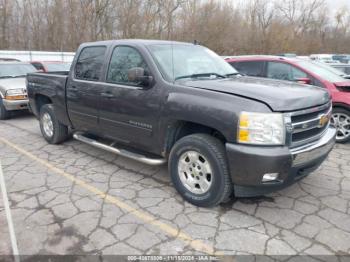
[(310, 124)]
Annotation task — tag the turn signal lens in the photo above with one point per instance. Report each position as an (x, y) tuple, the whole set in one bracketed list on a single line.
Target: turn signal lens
[(18, 97)]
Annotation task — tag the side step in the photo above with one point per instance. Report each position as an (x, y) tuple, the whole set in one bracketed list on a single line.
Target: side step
[(122, 152)]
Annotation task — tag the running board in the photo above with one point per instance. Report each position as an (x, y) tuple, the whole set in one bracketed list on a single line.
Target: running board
[(122, 152)]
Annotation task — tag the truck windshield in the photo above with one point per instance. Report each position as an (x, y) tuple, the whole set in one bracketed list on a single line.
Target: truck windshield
[(190, 61), (15, 70)]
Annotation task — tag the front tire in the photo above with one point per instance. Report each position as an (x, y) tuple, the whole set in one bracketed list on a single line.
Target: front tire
[(52, 130), (4, 114), (341, 121), (199, 170)]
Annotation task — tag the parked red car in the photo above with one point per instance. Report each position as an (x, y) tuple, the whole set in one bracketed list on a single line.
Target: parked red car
[(51, 66), (306, 72)]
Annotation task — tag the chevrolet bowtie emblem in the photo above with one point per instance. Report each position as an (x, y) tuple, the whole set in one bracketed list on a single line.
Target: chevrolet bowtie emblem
[(323, 120)]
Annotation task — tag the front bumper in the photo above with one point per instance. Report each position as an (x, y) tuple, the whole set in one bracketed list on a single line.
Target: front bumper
[(11, 105), (248, 164)]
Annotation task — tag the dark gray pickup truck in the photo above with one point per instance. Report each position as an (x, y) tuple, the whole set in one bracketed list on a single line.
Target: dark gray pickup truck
[(221, 133)]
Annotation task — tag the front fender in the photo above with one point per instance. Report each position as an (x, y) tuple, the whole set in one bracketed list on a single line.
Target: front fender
[(216, 110)]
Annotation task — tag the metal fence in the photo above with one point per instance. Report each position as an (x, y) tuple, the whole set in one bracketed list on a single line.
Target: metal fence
[(38, 55)]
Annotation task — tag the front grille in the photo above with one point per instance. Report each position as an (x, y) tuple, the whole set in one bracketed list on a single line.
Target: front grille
[(309, 124)]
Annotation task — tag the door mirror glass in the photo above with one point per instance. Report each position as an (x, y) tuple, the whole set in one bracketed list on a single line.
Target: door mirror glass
[(138, 75), (303, 80)]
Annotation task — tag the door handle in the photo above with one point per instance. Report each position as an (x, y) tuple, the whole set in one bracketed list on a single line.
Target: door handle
[(73, 89), (107, 94)]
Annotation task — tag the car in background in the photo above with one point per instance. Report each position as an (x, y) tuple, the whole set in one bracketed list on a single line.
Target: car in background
[(342, 67), (343, 58), (9, 59), (335, 69), (51, 66), (287, 55), (325, 58), (13, 91), (306, 72)]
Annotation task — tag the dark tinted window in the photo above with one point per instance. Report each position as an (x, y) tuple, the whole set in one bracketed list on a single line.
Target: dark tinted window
[(38, 66), (123, 59), (251, 68), (284, 71), (90, 62)]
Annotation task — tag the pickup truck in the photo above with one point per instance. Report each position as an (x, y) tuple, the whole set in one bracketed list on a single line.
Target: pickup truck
[(221, 133)]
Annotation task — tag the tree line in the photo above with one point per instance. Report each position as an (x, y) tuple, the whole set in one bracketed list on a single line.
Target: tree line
[(228, 27)]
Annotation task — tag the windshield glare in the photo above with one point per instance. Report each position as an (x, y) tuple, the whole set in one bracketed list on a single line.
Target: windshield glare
[(176, 61), (321, 72), (14, 70)]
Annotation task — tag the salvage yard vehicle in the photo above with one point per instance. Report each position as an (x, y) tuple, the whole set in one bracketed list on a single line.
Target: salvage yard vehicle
[(13, 92), (306, 72), (160, 101), (342, 67), (51, 66)]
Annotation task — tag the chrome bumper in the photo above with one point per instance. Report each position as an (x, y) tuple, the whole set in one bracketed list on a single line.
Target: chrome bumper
[(310, 152), (15, 104)]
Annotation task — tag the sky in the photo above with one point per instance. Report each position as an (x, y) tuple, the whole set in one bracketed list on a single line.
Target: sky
[(336, 4)]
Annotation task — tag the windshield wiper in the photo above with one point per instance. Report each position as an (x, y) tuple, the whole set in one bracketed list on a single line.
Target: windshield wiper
[(200, 75)]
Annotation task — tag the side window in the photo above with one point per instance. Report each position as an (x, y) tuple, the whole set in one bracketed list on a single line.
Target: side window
[(280, 71), (252, 68), (123, 59), (90, 62), (38, 66), (297, 73)]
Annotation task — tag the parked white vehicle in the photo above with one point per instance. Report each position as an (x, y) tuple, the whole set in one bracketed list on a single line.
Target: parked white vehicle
[(325, 58)]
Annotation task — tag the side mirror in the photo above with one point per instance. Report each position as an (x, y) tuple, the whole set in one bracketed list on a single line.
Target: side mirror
[(137, 75), (303, 80)]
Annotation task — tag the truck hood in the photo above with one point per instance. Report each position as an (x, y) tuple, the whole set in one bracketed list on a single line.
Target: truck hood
[(12, 83), (281, 96)]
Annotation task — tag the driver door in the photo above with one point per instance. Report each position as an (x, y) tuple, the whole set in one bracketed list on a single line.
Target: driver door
[(129, 112)]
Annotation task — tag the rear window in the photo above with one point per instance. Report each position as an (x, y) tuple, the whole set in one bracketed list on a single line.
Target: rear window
[(90, 63), (250, 68)]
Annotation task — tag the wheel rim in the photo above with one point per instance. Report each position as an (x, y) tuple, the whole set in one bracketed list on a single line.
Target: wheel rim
[(195, 172), (47, 124), (341, 122)]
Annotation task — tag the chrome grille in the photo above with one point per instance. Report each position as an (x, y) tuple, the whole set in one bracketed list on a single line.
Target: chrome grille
[(310, 124)]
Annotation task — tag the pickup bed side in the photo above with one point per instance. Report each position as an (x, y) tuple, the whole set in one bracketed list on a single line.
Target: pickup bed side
[(48, 88)]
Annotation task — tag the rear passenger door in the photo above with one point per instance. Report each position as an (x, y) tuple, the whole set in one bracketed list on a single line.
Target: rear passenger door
[(84, 87), (250, 68)]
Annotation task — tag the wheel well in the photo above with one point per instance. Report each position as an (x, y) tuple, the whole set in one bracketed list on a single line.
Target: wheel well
[(41, 100), (181, 129), (342, 106)]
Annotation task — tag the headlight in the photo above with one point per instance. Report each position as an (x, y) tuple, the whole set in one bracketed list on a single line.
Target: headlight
[(16, 94), (261, 128)]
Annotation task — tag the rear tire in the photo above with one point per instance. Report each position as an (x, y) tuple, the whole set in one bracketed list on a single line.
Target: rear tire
[(52, 130), (4, 114), (341, 121), (193, 154)]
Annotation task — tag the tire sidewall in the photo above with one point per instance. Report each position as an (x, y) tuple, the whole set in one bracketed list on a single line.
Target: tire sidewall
[(4, 114), (213, 194), (48, 109)]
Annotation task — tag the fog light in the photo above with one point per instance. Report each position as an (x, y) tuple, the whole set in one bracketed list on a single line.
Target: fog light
[(270, 177)]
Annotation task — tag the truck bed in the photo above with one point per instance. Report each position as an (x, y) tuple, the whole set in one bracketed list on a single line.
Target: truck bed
[(52, 85)]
